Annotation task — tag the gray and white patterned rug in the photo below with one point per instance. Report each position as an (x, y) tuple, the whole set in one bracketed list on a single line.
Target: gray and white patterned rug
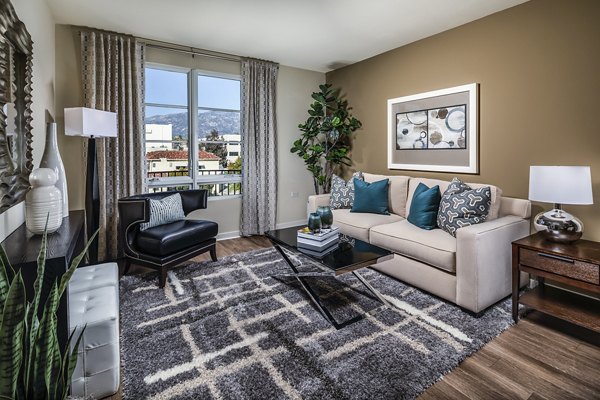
[(229, 330)]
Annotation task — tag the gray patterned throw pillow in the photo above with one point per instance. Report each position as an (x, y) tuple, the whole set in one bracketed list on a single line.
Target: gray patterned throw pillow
[(462, 206), (342, 192), (163, 211)]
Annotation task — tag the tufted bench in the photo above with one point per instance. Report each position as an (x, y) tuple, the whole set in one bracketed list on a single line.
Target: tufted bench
[(94, 301)]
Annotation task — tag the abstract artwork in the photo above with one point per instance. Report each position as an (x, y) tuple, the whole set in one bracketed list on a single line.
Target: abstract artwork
[(438, 128), (440, 125)]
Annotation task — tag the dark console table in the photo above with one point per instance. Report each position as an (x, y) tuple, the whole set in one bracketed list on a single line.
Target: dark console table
[(23, 247)]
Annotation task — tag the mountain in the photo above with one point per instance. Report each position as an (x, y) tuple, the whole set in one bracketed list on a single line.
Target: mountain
[(224, 122)]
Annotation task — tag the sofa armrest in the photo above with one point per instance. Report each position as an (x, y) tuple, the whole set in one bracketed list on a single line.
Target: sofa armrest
[(484, 261), (317, 200)]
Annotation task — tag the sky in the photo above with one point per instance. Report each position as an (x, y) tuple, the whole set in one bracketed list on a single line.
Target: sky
[(168, 87)]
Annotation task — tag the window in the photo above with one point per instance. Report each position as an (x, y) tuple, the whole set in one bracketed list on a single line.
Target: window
[(191, 109)]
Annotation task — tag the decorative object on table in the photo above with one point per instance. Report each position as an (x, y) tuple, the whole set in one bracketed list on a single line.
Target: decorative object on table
[(424, 207), (342, 192), (463, 206), (52, 159), (560, 185), (16, 152), (92, 124), (434, 131), (314, 222), (321, 242), (31, 345), (326, 135), (164, 211), (43, 203), (326, 216), (371, 197), (321, 235)]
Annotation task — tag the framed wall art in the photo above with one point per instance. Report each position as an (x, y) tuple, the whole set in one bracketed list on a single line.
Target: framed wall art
[(435, 131)]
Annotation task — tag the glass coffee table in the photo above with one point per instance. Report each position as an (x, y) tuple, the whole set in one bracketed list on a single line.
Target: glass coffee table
[(349, 256)]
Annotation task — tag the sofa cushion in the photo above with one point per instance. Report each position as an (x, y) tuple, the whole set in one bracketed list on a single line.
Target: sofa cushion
[(496, 193), (93, 277), (167, 239), (462, 206), (398, 191), (371, 197), (342, 192), (435, 247), (424, 207), (357, 225)]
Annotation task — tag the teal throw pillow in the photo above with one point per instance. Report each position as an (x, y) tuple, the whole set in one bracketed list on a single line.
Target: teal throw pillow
[(371, 197), (424, 207)]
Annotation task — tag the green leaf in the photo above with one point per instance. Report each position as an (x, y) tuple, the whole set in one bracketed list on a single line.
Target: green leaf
[(11, 337), (6, 275), (41, 264), (66, 277), (45, 345), (69, 363)]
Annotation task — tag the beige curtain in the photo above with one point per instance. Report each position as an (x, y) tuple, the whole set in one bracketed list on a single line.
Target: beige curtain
[(259, 147), (113, 80)]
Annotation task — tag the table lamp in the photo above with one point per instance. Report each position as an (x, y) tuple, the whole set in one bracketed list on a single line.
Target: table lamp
[(92, 124), (560, 185)]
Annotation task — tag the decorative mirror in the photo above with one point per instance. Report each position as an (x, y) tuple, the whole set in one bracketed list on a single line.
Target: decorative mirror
[(16, 60)]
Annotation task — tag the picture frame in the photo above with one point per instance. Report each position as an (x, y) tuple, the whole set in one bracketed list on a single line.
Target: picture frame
[(435, 131)]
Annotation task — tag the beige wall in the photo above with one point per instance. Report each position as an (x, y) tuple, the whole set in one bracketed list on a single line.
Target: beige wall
[(39, 22), (537, 66), (294, 88)]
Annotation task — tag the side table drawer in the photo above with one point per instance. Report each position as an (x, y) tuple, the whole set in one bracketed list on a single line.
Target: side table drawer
[(564, 266)]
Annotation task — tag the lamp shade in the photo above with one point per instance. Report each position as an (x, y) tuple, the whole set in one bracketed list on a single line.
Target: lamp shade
[(560, 184), (88, 122)]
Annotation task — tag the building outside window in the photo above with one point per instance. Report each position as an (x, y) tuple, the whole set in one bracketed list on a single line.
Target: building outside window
[(190, 109)]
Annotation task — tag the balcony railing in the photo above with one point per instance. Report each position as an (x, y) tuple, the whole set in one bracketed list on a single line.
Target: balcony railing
[(214, 188), (186, 172)]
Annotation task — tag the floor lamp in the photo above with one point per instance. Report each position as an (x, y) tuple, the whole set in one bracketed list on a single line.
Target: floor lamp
[(92, 124)]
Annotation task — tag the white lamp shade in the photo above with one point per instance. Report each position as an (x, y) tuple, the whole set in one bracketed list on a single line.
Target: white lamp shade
[(88, 122), (561, 184)]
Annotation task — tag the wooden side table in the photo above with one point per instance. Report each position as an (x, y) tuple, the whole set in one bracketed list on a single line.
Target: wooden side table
[(575, 266)]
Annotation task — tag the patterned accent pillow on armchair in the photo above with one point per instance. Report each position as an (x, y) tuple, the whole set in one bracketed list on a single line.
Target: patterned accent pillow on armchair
[(462, 206), (342, 192)]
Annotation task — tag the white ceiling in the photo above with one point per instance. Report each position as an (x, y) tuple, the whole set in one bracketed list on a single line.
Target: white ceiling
[(319, 35)]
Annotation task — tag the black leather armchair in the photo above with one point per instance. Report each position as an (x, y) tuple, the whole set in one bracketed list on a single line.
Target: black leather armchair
[(165, 246)]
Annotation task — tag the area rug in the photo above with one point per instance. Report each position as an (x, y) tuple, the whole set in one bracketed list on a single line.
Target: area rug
[(237, 329)]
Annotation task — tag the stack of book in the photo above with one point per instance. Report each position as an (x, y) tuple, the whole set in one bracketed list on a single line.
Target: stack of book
[(318, 244)]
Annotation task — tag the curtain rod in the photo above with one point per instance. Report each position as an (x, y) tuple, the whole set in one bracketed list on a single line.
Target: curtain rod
[(159, 44), (192, 51)]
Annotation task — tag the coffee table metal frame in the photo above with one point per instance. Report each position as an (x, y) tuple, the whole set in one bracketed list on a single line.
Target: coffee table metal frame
[(331, 272)]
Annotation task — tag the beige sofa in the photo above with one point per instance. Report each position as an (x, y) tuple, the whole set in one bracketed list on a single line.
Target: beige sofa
[(472, 270)]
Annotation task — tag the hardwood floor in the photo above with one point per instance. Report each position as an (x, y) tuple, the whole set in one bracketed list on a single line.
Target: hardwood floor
[(539, 358)]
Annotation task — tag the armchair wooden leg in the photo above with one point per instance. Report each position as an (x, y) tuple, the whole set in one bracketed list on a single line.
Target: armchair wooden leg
[(127, 265), (162, 277), (213, 253)]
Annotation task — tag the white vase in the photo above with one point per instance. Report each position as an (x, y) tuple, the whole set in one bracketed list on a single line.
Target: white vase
[(51, 159), (43, 202)]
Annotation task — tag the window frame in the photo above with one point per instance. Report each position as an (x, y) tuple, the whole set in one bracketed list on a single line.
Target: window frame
[(195, 179)]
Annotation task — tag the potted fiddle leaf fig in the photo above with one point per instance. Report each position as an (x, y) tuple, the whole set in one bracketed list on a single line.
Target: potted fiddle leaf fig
[(325, 142), (32, 365)]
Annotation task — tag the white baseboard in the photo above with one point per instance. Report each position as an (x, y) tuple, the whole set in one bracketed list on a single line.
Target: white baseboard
[(228, 235), (236, 234)]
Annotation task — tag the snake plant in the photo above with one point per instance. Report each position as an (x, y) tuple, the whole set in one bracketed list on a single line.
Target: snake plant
[(32, 365)]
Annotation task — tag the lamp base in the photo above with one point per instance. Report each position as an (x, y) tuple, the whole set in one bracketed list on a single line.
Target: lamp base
[(558, 226)]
